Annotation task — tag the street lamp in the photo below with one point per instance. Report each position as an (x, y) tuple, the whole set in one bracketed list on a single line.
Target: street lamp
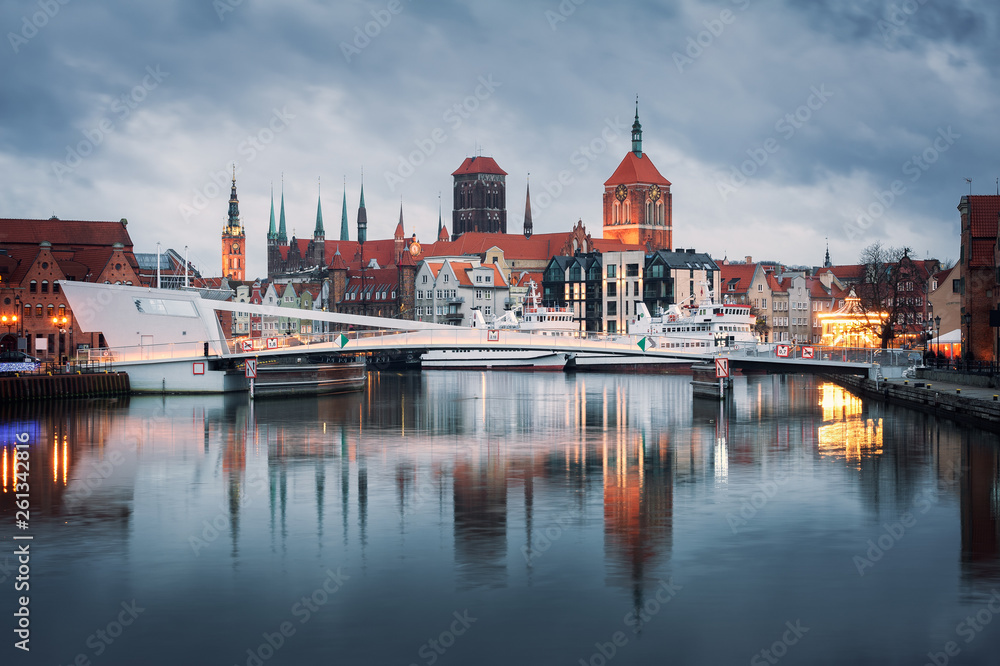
[(967, 344), (937, 327), (61, 323)]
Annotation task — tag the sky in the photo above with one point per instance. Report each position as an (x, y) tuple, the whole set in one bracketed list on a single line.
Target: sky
[(782, 126)]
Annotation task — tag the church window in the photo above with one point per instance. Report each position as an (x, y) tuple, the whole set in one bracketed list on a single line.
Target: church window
[(616, 213), (627, 213)]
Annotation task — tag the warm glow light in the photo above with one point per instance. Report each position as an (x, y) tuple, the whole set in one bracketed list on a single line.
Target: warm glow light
[(65, 460), (847, 435), (5, 469)]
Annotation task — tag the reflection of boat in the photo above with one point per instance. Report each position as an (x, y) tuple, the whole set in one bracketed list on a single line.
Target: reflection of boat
[(707, 324), (300, 377), (493, 359)]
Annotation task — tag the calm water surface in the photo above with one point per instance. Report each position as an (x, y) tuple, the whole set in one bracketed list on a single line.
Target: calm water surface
[(503, 518)]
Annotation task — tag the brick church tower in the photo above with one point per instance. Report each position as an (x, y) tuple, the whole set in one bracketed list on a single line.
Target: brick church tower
[(233, 237), (480, 197), (638, 206)]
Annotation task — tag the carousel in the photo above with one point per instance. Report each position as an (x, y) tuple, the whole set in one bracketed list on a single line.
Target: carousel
[(850, 326)]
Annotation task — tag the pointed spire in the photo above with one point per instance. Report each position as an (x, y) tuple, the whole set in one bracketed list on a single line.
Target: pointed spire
[(400, 232), (318, 232), (234, 204), (343, 216), (362, 214), (282, 234), (440, 224), (271, 233), (637, 131), (827, 262), (527, 210)]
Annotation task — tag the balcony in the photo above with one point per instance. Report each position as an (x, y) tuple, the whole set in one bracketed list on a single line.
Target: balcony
[(456, 300)]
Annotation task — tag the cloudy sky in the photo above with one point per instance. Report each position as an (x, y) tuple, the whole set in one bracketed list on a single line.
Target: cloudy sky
[(779, 124)]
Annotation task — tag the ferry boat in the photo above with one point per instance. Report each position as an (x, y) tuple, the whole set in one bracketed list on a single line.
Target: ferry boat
[(305, 376), (540, 319), (702, 326)]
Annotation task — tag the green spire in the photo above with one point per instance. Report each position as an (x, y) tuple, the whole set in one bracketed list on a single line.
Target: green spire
[(343, 217), (362, 217), (271, 233), (282, 234), (318, 231), (637, 131)]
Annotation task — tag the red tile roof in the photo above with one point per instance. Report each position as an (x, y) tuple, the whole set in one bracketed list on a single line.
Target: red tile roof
[(462, 269), (522, 278), (741, 273), (63, 232), (635, 169), (984, 212), (540, 247), (982, 253), (479, 164)]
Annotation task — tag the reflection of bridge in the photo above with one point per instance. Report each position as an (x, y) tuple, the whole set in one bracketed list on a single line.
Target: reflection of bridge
[(148, 330)]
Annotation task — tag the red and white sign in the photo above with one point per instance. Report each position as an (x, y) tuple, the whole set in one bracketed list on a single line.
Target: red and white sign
[(251, 369), (721, 368), (247, 345), (493, 335), (807, 352), (783, 351), (272, 343), (198, 368)]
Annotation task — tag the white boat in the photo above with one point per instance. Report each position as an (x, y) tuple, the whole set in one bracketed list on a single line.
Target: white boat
[(539, 319), (493, 359), (696, 328)]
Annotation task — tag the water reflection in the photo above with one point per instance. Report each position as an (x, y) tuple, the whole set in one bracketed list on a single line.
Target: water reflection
[(509, 492)]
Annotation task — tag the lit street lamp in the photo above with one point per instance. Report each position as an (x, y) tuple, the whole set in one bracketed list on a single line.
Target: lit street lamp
[(62, 324)]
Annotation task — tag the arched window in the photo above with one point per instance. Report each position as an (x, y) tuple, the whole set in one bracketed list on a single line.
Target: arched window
[(649, 213), (32, 287), (616, 213), (49, 310), (45, 286), (38, 310), (27, 310), (627, 217), (62, 311)]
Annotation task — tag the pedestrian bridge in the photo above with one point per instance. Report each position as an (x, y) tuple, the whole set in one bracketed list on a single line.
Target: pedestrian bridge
[(145, 325)]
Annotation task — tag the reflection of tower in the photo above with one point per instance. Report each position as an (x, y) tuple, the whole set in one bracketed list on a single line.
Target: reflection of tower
[(980, 501), (638, 508), (234, 464), (481, 521)]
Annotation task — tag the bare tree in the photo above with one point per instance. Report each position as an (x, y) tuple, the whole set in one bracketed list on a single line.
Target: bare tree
[(761, 327), (890, 291)]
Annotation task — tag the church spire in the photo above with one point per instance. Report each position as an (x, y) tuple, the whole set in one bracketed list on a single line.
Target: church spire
[(318, 232), (527, 211), (440, 223), (827, 262), (343, 216), (362, 214), (282, 235), (271, 233), (637, 131), (234, 204)]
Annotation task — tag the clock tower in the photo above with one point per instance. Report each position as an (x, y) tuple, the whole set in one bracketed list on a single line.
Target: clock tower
[(233, 237), (638, 205)]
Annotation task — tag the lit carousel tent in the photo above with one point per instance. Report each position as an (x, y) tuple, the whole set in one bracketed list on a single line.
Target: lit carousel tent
[(949, 344)]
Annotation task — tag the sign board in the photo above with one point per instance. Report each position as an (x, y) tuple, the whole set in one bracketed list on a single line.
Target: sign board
[(722, 368), (198, 368), (272, 343), (783, 351), (493, 335), (807, 352), (341, 340), (247, 345), (251, 369)]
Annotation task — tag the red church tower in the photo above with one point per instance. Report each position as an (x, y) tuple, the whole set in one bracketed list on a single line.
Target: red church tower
[(638, 206)]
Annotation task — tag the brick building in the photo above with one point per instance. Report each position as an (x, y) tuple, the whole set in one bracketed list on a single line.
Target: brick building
[(34, 256)]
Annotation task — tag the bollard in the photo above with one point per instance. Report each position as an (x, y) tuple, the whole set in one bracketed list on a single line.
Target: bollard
[(958, 390), (994, 397)]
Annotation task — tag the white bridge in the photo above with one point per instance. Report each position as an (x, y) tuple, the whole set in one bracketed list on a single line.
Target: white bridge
[(170, 338)]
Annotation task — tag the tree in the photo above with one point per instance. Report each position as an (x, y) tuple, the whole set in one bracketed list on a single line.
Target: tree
[(892, 286), (761, 327)]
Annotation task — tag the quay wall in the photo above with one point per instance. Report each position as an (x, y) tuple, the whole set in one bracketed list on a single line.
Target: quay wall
[(977, 412), (45, 387)]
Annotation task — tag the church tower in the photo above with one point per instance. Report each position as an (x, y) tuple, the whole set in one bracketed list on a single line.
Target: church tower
[(480, 202), (233, 237), (638, 205)]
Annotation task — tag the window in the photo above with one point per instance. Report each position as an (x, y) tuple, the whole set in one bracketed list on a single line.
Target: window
[(612, 290), (49, 310), (763, 303), (38, 310), (611, 271), (479, 294), (632, 270), (488, 311), (33, 287), (446, 277), (760, 287), (479, 278), (956, 286), (489, 278), (62, 311), (420, 293), (27, 310), (612, 309), (55, 287), (423, 278)]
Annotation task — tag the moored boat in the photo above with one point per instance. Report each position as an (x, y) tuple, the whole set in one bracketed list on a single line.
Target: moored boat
[(300, 376)]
